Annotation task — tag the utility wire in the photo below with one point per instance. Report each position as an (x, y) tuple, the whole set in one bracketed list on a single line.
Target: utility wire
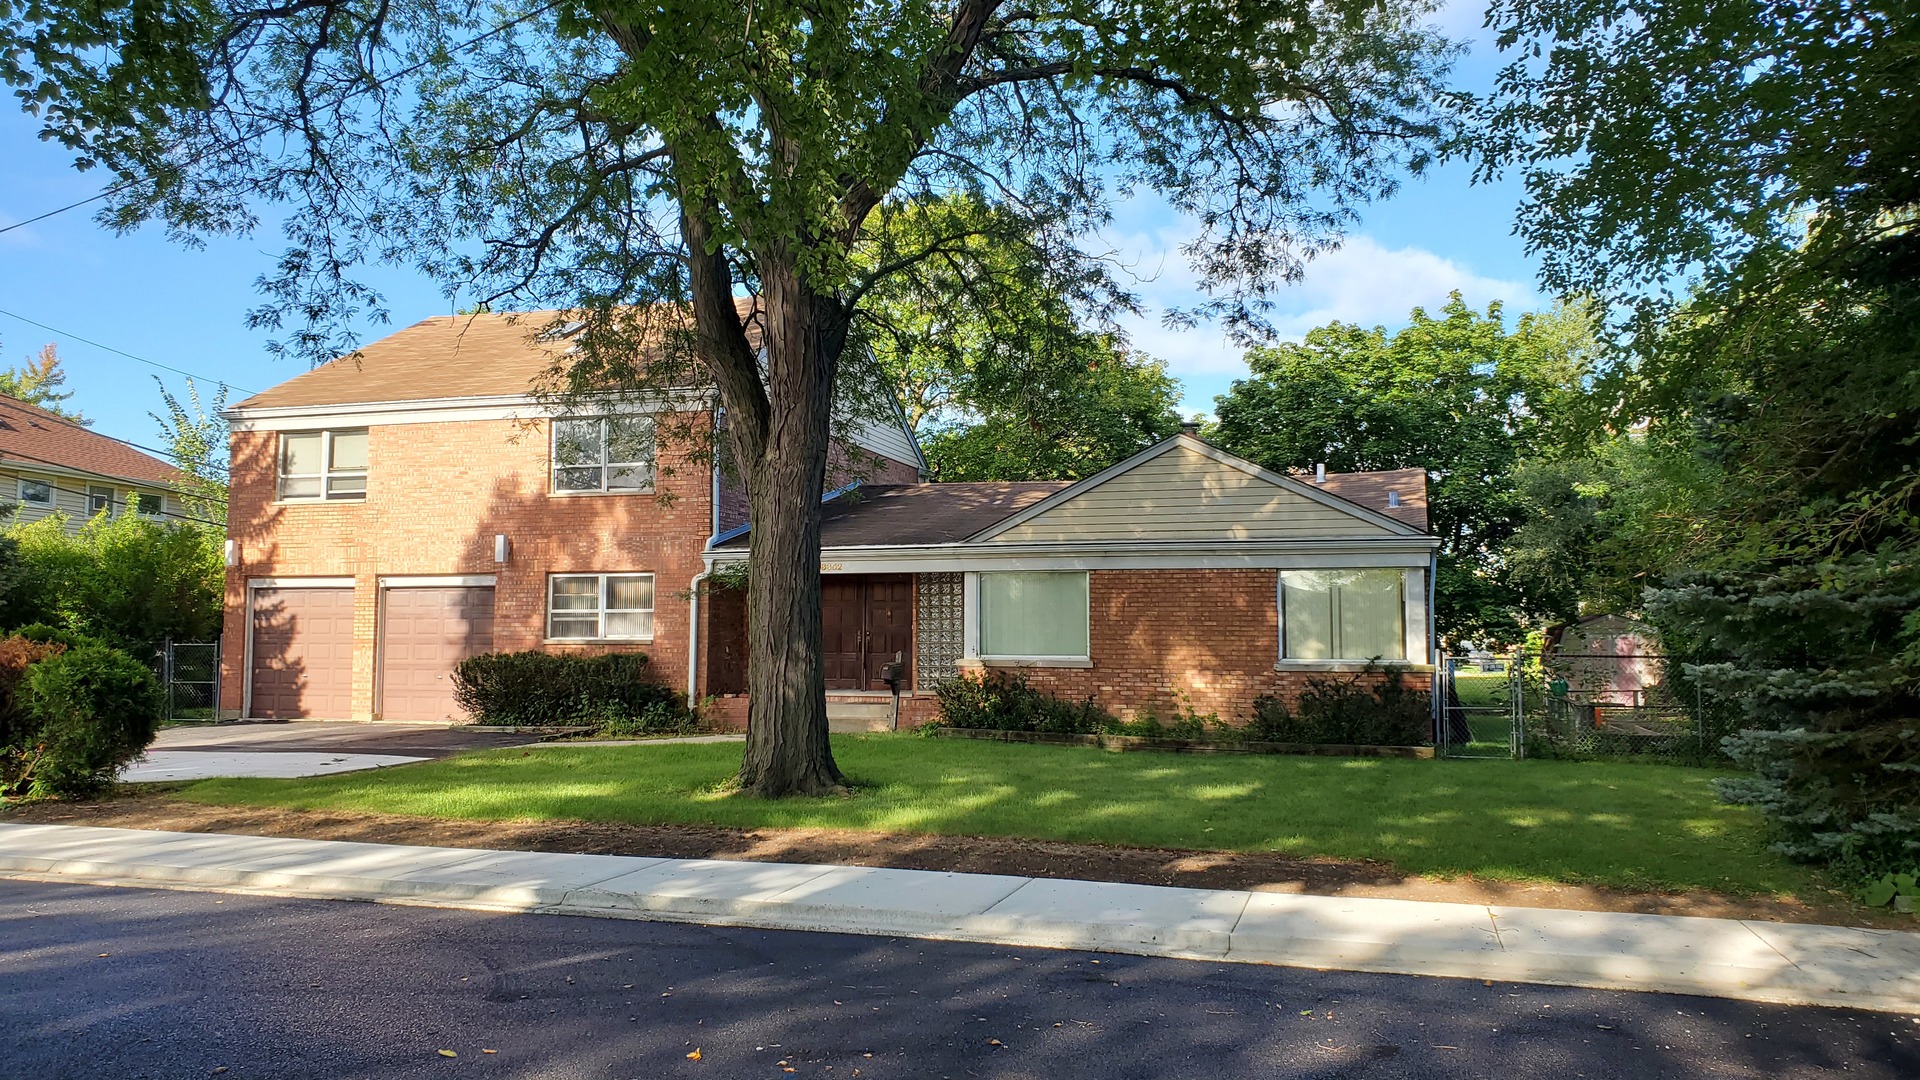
[(6, 454), (349, 95), (122, 352), (129, 507)]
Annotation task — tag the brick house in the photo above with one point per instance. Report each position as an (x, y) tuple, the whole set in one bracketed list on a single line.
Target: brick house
[(394, 511)]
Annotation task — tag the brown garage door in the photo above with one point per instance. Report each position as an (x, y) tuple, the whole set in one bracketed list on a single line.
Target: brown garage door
[(425, 632), (302, 654)]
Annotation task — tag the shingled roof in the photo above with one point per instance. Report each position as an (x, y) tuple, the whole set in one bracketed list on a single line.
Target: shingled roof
[(1372, 489), (30, 436), (448, 356), (921, 513)]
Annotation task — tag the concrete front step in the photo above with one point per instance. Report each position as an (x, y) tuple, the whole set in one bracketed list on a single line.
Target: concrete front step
[(852, 716)]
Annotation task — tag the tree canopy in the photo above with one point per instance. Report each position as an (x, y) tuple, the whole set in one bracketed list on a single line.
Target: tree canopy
[(1459, 395), (39, 382), (607, 157)]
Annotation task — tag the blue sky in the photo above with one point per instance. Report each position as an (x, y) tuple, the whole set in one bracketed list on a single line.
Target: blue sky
[(186, 308)]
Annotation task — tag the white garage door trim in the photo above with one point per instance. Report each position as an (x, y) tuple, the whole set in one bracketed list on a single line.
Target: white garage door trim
[(437, 581)]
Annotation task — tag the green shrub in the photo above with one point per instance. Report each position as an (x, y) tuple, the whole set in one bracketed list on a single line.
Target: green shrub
[(999, 701), (538, 689), (1370, 707), (44, 634), (88, 712), (127, 580), (659, 718)]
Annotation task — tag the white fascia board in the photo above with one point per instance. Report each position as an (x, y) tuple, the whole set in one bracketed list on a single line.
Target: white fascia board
[(450, 410), (1214, 453), (432, 581), (1412, 553), (17, 465)]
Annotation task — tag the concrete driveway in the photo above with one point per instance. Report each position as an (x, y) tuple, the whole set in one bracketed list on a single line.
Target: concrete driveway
[(301, 748)]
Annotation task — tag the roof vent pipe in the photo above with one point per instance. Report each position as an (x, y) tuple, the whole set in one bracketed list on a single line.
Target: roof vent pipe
[(1320, 473), (1393, 499)]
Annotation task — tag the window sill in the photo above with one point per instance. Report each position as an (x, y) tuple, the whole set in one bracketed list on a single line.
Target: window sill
[(1029, 661), (318, 502), (551, 494), (598, 641), (1347, 665)]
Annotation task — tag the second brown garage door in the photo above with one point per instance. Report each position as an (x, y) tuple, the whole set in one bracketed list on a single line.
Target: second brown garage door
[(424, 633)]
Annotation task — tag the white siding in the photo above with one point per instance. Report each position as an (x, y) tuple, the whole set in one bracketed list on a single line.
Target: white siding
[(70, 498), (1184, 495), (886, 439)]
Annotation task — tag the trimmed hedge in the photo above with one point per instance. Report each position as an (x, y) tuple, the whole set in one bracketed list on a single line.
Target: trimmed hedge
[(542, 689)]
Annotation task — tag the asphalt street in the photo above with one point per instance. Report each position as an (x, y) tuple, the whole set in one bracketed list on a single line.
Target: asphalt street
[(132, 983)]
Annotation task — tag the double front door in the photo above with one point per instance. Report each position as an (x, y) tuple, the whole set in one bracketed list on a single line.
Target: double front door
[(868, 623)]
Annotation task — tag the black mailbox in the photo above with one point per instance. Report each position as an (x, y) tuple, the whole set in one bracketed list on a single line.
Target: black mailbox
[(895, 673)]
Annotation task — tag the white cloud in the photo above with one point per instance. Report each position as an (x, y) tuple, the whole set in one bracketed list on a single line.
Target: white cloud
[(1362, 282)]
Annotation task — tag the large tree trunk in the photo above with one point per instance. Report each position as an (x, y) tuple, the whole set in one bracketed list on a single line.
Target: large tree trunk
[(787, 748)]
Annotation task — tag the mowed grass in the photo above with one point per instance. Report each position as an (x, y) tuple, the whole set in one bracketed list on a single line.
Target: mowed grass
[(1623, 824)]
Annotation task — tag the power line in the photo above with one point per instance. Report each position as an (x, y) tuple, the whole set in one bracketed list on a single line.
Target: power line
[(16, 454), (132, 507), (349, 95), (122, 352)]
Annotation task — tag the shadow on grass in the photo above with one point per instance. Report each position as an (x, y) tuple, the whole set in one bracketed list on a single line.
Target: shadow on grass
[(1633, 826)]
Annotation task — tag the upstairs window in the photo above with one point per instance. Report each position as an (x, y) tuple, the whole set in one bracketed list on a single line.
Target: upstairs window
[(323, 465), (607, 453), (36, 492), (600, 607), (1343, 614), (146, 502), (99, 501)]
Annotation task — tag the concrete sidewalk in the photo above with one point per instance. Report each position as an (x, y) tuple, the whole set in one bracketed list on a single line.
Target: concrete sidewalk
[(1758, 961)]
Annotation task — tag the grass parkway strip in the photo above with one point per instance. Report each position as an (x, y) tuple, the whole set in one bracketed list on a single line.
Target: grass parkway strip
[(1628, 826)]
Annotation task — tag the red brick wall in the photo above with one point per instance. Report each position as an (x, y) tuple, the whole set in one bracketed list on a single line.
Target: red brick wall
[(1155, 634), (436, 496)]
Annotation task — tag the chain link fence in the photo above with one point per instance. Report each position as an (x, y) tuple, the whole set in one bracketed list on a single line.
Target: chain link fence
[(190, 671), (1619, 706)]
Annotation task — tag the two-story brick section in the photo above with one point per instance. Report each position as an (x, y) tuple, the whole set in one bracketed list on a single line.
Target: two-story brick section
[(397, 510)]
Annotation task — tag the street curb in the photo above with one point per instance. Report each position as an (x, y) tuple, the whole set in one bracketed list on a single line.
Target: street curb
[(1262, 928)]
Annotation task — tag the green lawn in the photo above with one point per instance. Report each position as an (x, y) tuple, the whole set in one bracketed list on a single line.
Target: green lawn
[(1624, 824)]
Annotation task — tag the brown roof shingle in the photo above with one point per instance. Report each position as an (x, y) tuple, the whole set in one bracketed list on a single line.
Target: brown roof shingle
[(31, 436), (1370, 489), (447, 356), (921, 513)]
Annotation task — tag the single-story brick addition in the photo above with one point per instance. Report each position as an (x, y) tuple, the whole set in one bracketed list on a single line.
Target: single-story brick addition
[(416, 503), (1181, 577)]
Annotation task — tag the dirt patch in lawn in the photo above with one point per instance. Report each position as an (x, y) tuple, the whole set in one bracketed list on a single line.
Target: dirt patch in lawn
[(1260, 872)]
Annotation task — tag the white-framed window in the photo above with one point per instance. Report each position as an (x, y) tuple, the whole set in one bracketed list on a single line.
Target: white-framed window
[(36, 492), (99, 501), (603, 453), (323, 465), (600, 607), (1356, 614), (148, 504), (1034, 615)]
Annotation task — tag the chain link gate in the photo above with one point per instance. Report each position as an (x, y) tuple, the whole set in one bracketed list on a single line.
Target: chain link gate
[(190, 671), (1573, 706), (1479, 707)]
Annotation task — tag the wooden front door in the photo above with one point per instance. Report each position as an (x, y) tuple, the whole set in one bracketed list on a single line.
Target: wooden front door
[(866, 620)]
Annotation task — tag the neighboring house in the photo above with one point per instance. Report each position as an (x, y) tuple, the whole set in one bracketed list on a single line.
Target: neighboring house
[(1181, 577), (51, 465), (395, 511)]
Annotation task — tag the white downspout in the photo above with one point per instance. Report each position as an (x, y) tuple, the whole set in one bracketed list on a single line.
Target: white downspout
[(693, 634)]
